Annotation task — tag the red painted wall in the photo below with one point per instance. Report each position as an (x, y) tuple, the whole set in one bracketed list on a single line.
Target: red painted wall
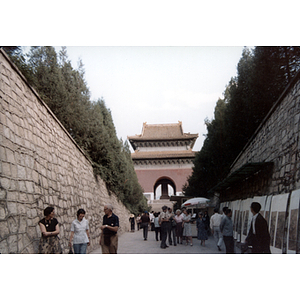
[(148, 178)]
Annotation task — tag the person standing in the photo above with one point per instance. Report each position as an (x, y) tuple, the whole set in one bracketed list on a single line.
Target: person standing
[(49, 242), (109, 237), (131, 220), (215, 222), (172, 228), (201, 227), (226, 228), (178, 219), (187, 229), (157, 226), (80, 233), (145, 222), (206, 220), (258, 236), (163, 220), (138, 221)]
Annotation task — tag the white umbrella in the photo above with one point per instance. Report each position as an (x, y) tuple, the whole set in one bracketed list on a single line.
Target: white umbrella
[(200, 202)]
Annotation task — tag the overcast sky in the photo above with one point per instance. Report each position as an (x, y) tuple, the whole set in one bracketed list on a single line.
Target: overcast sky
[(158, 84)]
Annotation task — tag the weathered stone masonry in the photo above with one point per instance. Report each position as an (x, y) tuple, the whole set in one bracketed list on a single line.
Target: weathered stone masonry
[(40, 166), (275, 142)]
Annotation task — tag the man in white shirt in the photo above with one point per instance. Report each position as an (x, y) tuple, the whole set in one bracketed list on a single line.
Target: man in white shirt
[(215, 222)]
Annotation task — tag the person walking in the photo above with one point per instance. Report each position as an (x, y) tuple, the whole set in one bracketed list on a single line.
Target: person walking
[(187, 229), (145, 222), (80, 233), (202, 230), (215, 222), (138, 222), (226, 228), (258, 236), (179, 229), (163, 220), (157, 226), (206, 220), (109, 236), (49, 242), (172, 228)]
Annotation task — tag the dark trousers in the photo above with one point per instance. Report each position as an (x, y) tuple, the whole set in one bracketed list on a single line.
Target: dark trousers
[(164, 234), (229, 244), (145, 230), (157, 231), (172, 232)]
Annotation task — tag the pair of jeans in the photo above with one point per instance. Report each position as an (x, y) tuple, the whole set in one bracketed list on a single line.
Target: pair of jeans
[(80, 248), (145, 230)]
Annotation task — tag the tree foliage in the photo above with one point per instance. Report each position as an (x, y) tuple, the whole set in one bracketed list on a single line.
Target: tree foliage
[(90, 123), (262, 75)]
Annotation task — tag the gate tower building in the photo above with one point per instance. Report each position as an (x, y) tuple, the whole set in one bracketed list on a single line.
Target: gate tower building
[(163, 157)]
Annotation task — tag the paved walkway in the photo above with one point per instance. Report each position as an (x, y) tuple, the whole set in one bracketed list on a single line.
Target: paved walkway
[(133, 243)]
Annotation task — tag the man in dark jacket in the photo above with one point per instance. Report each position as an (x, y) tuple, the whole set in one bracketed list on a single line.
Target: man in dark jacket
[(258, 236)]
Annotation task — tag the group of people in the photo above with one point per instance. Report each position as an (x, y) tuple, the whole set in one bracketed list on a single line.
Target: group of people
[(258, 236), (80, 236), (176, 227)]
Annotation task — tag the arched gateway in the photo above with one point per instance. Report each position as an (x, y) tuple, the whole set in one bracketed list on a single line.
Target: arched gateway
[(162, 160)]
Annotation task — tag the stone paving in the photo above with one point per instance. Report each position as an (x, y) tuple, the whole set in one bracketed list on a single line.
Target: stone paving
[(133, 243)]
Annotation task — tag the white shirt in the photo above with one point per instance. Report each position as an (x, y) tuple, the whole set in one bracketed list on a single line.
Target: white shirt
[(215, 220), (80, 228)]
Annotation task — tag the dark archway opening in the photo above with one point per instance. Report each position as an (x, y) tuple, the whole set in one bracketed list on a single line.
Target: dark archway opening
[(165, 183)]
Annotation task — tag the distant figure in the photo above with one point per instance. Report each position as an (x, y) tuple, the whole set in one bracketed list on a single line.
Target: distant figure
[(206, 220), (187, 229), (138, 222), (172, 228), (131, 220), (145, 222), (49, 242), (157, 227), (109, 237), (80, 233), (258, 236), (163, 221), (215, 222), (179, 229), (226, 228), (202, 229)]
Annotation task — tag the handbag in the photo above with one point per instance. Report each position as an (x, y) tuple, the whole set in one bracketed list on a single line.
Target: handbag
[(174, 224)]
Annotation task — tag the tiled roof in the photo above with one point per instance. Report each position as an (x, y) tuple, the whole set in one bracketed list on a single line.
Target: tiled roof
[(162, 132), (162, 154)]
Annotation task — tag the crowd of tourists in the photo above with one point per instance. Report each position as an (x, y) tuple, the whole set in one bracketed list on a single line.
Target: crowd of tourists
[(173, 226)]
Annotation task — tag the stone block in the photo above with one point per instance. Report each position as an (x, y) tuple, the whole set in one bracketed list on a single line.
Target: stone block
[(21, 172), (3, 247), (4, 231), (12, 244), (12, 208), (5, 183)]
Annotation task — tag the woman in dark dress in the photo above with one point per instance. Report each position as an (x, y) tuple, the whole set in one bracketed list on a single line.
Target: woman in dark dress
[(49, 242), (201, 227)]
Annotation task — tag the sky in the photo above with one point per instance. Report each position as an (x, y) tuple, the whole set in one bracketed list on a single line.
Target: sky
[(158, 85)]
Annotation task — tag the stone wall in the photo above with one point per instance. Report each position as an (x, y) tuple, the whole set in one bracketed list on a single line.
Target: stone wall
[(277, 141), (41, 165)]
